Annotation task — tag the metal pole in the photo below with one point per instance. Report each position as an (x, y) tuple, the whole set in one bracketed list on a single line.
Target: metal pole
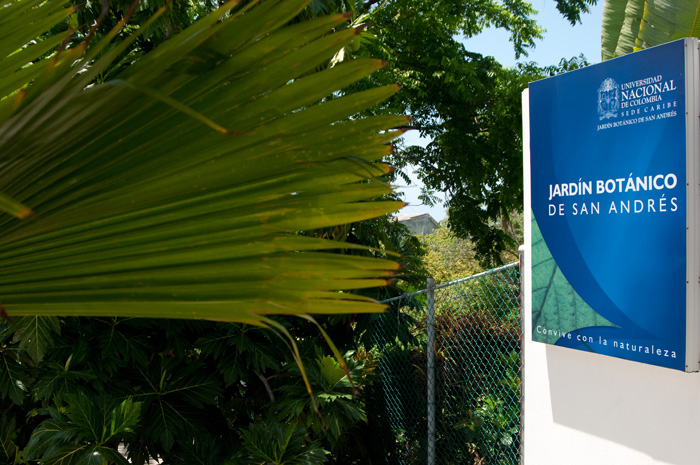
[(521, 253), (431, 370)]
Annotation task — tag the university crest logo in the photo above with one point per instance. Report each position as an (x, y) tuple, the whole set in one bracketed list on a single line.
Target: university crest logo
[(608, 99)]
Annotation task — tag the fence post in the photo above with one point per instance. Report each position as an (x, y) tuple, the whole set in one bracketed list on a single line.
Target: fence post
[(431, 370), (522, 271)]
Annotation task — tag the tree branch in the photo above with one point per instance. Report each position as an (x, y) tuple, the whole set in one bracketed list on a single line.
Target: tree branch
[(267, 386)]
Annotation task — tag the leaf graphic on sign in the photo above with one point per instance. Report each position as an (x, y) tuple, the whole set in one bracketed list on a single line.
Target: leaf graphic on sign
[(556, 307)]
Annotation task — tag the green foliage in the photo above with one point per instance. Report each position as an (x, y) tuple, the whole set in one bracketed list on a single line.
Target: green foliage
[(450, 257), (13, 377), (572, 9), (492, 429), (93, 21), (334, 398), (477, 369), (467, 104), (396, 400), (84, 430), (172, 182), (173, 394), (35, 334), (629, 26), (8, 436), (279, 444)]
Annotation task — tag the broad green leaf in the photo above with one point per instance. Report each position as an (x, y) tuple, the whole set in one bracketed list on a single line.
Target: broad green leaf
[(48, 438), (338, 408), (57, 380), (8, 434), (165, 422), (239, 349), (79, 435), (196, 392), (111, 456), (125, 417), (281, 444), (173, 398), (120, 344), (330, 370), (13, 378), (35, 334), (88, 418), (74, 455), (37, 23)]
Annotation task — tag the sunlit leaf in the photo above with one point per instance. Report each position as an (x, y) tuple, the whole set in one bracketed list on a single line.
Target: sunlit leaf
[(631, 25)]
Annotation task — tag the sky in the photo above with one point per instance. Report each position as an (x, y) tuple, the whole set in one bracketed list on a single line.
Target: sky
[(560, 41)]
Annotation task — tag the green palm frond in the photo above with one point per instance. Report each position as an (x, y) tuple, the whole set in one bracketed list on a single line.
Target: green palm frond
[(631, 25), (177, 188)]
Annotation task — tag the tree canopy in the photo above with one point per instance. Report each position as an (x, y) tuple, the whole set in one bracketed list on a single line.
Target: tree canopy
[(466, 104)]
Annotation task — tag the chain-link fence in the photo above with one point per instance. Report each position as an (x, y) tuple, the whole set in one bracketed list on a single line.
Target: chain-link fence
[(457, 400)]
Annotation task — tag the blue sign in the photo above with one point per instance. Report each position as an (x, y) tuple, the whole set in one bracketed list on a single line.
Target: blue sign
[(608, 194)]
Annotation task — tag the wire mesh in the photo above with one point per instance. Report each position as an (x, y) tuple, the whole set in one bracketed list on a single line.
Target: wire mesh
[(476, 374)]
